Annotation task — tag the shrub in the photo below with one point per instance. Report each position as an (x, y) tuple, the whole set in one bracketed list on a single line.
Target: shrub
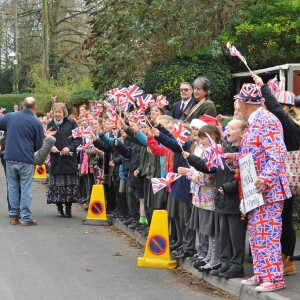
[(8, 100), (166, 77)]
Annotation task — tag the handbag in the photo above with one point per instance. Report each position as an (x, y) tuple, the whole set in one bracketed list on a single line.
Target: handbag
[(292, 168)]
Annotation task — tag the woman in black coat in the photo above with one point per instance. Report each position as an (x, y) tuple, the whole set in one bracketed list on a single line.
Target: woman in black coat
[(288, 115), (63, 171)]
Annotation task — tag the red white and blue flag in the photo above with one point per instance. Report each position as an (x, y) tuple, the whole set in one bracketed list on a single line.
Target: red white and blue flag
[(235, 52), (214, 156), (96, 111), (159, 183), (161, 101), (100, 178), (275, 85), (81, 132), (53, 100), (132, 92), (180, 134), (138, 117), (143, 101)]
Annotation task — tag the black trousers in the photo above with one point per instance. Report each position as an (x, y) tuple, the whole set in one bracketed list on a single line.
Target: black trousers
[(288, 236), (232, 240)]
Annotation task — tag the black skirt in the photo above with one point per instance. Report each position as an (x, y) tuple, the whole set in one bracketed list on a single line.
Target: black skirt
[(63, 188)]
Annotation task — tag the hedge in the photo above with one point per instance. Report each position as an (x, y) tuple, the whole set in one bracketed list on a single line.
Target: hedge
[(7, 101), (166, 77)]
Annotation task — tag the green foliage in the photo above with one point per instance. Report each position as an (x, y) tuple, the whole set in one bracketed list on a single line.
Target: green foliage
[(82, 95), (266, 33), (70, 91), (129, 35), (166, 77), (8, 100)]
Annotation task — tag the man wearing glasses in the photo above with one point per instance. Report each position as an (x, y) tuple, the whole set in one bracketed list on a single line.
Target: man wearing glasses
[(186, 92)]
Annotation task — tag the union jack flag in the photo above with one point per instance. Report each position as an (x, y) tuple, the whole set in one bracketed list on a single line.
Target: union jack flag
[(108, 106), (81, 132), (217, 154), (53, 100), (161, 101), (138, 117), (132, 92), (180, 133), (112, 92), (100, 178), (275, 85), (234, 52), (144, 100), (159, 183), (96, 111)]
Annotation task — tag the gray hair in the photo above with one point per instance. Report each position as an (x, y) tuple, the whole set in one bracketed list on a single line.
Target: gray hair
[(187, 83), (61, 106), (202, 83)]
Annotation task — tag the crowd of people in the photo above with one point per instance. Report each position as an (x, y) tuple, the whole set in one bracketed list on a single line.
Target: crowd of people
[(203, 203)]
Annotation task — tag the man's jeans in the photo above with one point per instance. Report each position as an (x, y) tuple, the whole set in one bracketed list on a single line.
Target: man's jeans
[(19, 179)]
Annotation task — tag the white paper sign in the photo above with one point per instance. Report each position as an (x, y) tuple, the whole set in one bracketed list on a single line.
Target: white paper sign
[(252, 199)]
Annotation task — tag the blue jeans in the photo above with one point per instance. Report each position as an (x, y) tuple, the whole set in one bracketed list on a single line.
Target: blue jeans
[(19, 179)]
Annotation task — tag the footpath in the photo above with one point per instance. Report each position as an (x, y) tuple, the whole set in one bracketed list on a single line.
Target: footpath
[(233, 286)]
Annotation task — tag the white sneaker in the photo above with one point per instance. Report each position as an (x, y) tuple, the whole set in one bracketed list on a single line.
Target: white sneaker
[(251, 281), (270, 287)]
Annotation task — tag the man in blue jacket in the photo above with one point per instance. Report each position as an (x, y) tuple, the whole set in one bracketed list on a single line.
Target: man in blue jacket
[(24, 136)]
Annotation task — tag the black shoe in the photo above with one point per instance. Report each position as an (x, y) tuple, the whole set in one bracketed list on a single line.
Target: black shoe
[(68, 212), (195, 258), (295, 257), (208, 267), (230, 273), (183, 254), (142, 228), (200, 263), (127, 222), (177, 250), (134, 225), (60, 211), (222, 269)]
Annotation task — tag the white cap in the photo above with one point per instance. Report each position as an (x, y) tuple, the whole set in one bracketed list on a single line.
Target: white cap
[(196, 123)]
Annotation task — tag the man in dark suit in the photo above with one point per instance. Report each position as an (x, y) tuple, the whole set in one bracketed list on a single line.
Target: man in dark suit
[(186, 92)]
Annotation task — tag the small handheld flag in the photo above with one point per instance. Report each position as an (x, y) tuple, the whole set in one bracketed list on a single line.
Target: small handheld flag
[(235, 52)]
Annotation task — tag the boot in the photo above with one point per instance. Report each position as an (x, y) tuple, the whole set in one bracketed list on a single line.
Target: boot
[(60, 210), (289, 267), (68, 212)]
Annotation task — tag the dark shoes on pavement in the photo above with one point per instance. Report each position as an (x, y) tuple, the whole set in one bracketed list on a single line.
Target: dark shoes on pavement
[(61, 213), (181, 253), (209, 267), (222, 269), (231, 273)]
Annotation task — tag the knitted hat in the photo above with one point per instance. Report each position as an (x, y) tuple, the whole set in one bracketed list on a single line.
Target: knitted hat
[(250, 93), (285, 97), (196, 123)]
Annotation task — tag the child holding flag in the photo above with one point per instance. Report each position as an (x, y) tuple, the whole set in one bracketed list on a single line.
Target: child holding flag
[(204, 195)]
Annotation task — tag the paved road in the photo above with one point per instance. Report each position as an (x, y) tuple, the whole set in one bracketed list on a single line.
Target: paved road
[(62, 259)]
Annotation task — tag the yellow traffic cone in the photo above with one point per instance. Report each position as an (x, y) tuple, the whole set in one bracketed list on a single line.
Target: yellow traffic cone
[(97, 209), (157, 251), (40, 172)]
